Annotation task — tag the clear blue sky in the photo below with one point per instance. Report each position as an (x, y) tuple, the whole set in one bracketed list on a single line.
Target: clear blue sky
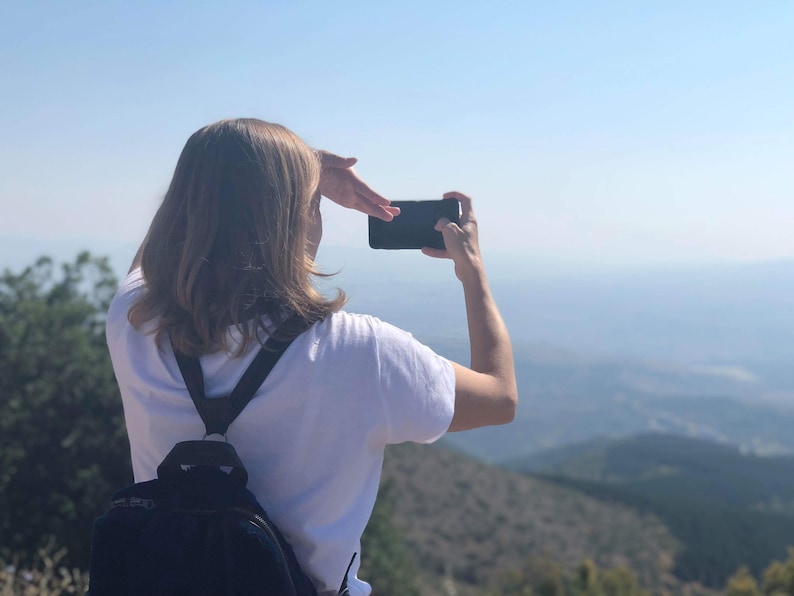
[(613, 132)]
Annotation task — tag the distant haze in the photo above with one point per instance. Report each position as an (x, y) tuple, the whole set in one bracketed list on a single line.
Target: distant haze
[(708, 315)]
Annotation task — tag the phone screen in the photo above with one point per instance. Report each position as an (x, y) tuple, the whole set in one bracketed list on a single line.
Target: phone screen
[(414, 227)]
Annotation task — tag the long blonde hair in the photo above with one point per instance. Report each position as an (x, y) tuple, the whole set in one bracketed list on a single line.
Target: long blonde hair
[(228, 246)]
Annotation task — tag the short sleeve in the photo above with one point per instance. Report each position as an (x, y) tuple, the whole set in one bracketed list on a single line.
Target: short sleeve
[(417, 387), (127, 293)]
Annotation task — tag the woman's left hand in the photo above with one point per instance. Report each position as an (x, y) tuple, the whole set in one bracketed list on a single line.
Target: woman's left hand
[(340, 183)]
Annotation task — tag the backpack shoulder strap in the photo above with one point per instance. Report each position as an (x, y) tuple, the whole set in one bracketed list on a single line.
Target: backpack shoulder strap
[(255, 375), (218, 413)]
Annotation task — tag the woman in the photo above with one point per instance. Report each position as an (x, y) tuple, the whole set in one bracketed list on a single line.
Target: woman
[(228, 258)]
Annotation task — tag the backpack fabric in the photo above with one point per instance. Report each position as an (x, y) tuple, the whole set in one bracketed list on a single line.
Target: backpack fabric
[(197, 530)]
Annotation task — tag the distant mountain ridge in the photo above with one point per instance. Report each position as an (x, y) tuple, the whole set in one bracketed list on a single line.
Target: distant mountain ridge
[(678, 467), (567, 397)]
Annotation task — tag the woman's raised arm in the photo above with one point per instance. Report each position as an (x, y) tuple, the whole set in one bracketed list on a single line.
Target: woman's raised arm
[(486, 392)]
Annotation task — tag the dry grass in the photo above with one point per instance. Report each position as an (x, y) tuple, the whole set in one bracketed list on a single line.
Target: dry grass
[(44, 576)]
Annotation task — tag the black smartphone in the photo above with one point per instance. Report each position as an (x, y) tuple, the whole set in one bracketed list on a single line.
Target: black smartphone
[(413, 228)]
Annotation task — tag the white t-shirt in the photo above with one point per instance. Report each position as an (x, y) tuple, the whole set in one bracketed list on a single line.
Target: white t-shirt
[(313, 437)]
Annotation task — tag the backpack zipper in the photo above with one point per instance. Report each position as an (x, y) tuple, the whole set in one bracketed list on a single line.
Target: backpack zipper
[(133, 502), (267, 527)]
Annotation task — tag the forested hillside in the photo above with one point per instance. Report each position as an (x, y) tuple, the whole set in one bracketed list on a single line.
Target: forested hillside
[(469, 520), (63, 447), (674, 466), (725, 508)]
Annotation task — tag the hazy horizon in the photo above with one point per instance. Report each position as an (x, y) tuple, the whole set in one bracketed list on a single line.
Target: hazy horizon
[(19, 251), (719, 315)]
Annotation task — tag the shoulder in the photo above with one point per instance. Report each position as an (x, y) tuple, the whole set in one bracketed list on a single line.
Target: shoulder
[(367, 337), (352, 328), (128, 292), (413, 385), (129, 288)]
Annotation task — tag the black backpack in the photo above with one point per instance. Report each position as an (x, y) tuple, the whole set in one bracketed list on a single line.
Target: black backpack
[(197, 530)]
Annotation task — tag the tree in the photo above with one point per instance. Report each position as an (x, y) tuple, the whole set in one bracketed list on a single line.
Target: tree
[(742, 583), (63, 447), (779, 577), (778, 580), (537, 577), (387, 563), (587, 580), (619, 581), (542, 577)]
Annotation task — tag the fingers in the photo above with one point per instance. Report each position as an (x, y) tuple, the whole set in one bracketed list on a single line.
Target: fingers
[(344, 187), (436, 253), (465, 204), (377, 206), (360, 187), (384, 212), (332, 160), (392, 211), (456, 236), (345, 162), (450, 231), (370, 195)]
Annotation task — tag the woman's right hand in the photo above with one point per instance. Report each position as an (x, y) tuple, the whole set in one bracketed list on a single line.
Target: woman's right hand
[(461, 240)]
